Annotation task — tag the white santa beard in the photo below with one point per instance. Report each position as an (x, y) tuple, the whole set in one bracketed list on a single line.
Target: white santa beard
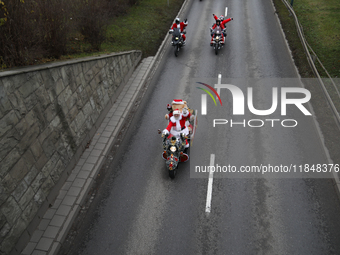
[(178, 125), (177, 121)]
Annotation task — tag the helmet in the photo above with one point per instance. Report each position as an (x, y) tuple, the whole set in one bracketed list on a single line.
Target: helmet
[(177, 20), (221, 17), (218, 22), (169, 107)]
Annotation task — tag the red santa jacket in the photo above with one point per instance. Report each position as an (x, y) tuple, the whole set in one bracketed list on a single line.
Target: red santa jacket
[(181, 26), (179, 124), (222, 22)]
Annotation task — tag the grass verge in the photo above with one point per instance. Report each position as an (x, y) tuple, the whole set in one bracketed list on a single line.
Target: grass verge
[(322, 111), (143, 28), (320, 21)]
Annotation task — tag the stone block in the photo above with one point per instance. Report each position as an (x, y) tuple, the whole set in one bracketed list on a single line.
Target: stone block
[(26, 198), (12, 83), (76, 68), (11, 210), (22, 127), (50, 112), (47, 78), (64, 75), (8, 162), (72, 114), (8, 122), (50, 165), (100, 92), (30, 101), (80, 119), (3, 220), (17, 102), (55, 74), (67, 93), (40, 197), (38, 181), (41, 162), (28, 87), (57, 171), (40, 116), (29, 159), (42, 97), (47, 186), (94, 83), (8, 142), (16, 232), (62, 105), (72, 80), (30, 211), (31, 175), (29, 138), (20, 191), (44, 134), (48, 146), (59, 87), (87, 109), (36, 149), (5, 104), (31, 118), (4, 230), (72, 100), (19, 171), (55, 122), (7, 186)]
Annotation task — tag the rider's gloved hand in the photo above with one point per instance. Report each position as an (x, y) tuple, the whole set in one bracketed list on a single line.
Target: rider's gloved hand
[(165, 132), (232, 18), (185, 21)]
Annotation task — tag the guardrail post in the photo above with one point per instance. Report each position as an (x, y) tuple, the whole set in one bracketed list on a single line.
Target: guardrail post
[(291, 2)]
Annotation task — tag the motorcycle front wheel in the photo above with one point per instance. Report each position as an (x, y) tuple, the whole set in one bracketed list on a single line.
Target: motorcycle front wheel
[(216, 49), (176, 50), (172, 173)]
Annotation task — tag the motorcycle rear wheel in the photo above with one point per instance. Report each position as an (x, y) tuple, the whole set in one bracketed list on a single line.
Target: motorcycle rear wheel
[(216, 49)]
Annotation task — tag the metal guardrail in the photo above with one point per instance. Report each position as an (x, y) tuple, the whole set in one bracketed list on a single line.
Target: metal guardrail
[(307, 49)]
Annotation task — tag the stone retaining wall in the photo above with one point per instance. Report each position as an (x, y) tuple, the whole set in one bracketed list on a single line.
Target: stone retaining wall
[(47, 116)]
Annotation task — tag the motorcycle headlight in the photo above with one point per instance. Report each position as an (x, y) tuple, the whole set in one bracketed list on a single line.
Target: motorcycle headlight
[(173, 148), (176, 38), (217, 37)]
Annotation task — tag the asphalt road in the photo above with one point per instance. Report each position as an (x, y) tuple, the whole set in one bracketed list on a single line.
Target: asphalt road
[(139, 210)]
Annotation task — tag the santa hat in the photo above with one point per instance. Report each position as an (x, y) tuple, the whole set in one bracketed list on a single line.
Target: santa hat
[(177, 101), (176, 112)]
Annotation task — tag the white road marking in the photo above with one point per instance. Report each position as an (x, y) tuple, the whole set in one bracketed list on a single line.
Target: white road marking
[(204, 104), (226, 12), (210, 183)]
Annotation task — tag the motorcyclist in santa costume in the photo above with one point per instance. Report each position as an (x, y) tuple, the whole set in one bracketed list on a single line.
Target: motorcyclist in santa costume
[(177, 124), (219, 22), (181, 26)]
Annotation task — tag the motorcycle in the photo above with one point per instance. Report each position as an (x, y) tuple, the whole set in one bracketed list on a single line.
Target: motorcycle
[(217, 34), (177, 39), (174, 150)]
